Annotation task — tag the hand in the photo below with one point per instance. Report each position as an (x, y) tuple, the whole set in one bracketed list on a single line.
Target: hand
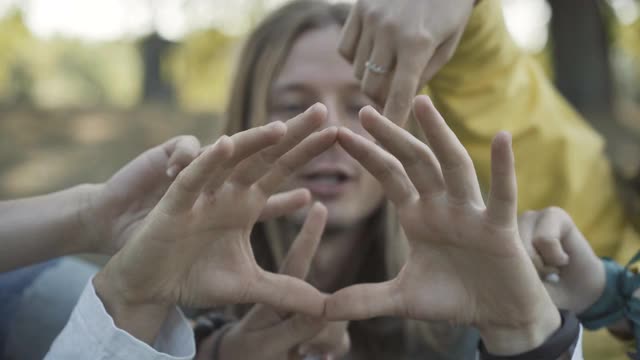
[(266, 333), (557, 247), (119, 206), (409, 39), (193, 248), (467, 264)]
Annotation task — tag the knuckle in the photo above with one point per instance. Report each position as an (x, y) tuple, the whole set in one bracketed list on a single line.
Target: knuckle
[(554, 210), (373, 16), (416, 39), (387, 26), (528, 214), (303, 325)]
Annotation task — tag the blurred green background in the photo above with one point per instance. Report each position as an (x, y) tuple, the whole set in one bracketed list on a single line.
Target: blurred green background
[(85, 85)]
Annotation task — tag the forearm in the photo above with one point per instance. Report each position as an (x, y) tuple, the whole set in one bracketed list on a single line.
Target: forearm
[(44, 227)]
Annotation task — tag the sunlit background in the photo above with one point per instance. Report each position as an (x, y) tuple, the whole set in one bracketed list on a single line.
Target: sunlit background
[(86, 84)]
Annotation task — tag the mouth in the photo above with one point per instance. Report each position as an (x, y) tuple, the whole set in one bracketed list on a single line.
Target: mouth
[(326, 182)]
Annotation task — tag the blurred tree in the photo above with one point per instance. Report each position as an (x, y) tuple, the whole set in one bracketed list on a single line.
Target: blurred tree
[(200, 70), (156, 87), (581, 47), (15, 81)]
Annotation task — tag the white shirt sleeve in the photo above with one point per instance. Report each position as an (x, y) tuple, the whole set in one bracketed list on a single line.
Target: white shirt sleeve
[(577, 353), (92, 334)]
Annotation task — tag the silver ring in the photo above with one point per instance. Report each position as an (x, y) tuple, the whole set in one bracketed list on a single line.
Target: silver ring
[(375, 68)]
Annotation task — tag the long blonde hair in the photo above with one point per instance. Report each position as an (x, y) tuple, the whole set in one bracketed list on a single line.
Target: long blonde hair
[(263, 55)]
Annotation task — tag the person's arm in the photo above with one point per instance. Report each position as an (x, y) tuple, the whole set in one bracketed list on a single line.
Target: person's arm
[(100, 218), (490, 85), (90, 218), (43, 227)]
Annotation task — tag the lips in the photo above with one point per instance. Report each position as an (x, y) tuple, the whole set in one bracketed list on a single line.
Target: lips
[(326, 181)]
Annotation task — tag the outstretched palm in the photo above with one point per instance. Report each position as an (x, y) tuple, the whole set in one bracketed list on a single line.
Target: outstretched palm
[(466, 263), (193, 249)]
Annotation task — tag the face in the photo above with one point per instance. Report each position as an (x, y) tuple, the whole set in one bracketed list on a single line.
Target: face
[(315, 72)]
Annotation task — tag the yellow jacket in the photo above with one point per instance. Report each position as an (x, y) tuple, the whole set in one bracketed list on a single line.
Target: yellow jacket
[(491, 85)]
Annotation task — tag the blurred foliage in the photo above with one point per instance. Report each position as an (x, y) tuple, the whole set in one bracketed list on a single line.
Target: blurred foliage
[(60, 73), (200, 70), (92, 96), (626, 45), (43, 151)]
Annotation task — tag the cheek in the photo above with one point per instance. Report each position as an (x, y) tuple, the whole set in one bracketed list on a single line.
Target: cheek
[(372, 193)]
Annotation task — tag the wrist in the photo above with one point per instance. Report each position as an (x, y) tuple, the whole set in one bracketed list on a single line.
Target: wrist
[(90, 220), (560, 344), (519, 338), (596, 286), (141, 320)]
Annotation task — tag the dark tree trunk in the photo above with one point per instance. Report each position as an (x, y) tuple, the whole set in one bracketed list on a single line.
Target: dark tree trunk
[(581, 57), (156, 88)]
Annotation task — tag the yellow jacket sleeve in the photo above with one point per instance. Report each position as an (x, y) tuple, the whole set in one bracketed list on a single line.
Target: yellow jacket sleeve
[(491, 85)]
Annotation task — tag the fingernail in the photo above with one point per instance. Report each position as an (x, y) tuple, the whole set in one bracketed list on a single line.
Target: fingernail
[(173, 171), (312, 107), (552, 278)]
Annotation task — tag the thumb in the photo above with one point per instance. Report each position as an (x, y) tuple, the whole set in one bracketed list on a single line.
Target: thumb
[(181, 150), (333, 340), (364, 301)]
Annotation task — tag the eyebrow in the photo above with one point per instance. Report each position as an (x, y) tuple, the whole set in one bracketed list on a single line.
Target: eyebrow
[(289, 87), (354, 86)]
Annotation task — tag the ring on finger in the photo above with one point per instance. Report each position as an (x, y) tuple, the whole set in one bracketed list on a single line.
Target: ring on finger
[(375, 68)]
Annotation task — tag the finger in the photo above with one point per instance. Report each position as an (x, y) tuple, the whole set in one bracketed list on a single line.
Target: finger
[(416, 157), (457, 167), (301, 154), (298, 128), (190, 182), (245, 144), (333, 339), (526, 226), (364, 301), (300, 255), (404, 87), (382, 165), (350, 35), (365, 44), (287, 294), (551, 228), (441, 56), (181, 150), (375, 84), (503, 196), (287, 334), (285, 203)]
